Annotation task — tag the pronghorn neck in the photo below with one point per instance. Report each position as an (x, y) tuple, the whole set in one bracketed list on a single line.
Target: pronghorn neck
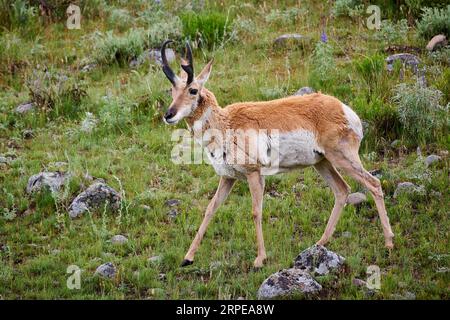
[(208, 114)]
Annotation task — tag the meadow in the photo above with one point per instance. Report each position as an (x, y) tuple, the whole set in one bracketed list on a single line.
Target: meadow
[(98, 107)]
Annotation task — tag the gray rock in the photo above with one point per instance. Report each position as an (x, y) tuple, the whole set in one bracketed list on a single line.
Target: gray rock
[(94, 198), (396, 144), (119, 239), (407, 59), (4, 160), (155, 259), (377, 173), (106, 270), (290, 38), (25, 107), (408, 188), (288, 282), (356, 198), (406, 296), (346, 234), (52, 180), (173, 213), (432, 159), (89, 67), (145, 207), (152, 55), (359, 283), (303, 91), (27, 134), (319, 260), (437, 42), (173, 202)]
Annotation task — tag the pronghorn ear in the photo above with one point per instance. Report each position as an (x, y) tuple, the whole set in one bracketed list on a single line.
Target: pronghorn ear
[(204, 75), (183, 74)]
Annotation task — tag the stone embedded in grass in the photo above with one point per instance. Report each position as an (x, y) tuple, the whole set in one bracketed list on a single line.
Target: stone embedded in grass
[(106, 270), (52, 180), (359, 283), (94, 198), (396, 144), (155, 259), (296, 38), (346, 234), (319, 260), (356, 198), (288, 282), (303, 91), (432, 159), (4, 160), (408, 188), (27, 134), (406, 59), (25, 107), (437, 42), (119, 239), (173, 202), (173, 213), (89, 67)]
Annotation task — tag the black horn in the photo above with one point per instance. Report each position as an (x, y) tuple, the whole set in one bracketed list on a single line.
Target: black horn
[(165, 65), (189, 68)]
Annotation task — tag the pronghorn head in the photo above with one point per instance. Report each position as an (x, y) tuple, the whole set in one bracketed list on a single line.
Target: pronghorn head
[(186, 89)]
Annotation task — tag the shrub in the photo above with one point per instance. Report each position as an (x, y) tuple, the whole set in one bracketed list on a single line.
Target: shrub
[(160, 26), (420, 112), (348, 8), (206, 28), (116, 114), (434, 21), (54, 91), (109, 49), (18, 14), (284, 17), (323, 63), (391, 32), (120, 18)]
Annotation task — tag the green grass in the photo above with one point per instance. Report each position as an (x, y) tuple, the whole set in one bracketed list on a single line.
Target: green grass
[(130, 148)]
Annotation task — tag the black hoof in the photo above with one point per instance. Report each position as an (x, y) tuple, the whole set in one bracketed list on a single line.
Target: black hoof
[(186, 262)]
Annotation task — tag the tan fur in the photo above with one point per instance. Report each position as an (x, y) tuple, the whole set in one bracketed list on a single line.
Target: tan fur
[(320, 114)]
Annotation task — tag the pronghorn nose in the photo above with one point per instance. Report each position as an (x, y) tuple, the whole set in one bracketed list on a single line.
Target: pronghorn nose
[(169, 114)]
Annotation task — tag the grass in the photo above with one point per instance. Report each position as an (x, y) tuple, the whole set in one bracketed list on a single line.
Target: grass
[(130, 148)]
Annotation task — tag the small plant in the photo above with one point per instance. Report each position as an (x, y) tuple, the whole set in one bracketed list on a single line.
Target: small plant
[(347, 8), (434, 21), (111, 49), (116, 114), (371, 70), (51, 90), (206, 28), (120, 18), (391, 32), (420, 112), (323, 61), (284, 17)]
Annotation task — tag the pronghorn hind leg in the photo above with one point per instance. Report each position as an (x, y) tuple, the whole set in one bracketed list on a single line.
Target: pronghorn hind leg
[(340, 190), (223, 190), (256, 186), (348, 160)]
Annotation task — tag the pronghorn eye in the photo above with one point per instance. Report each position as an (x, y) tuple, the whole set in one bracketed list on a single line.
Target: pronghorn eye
[(193, 91)]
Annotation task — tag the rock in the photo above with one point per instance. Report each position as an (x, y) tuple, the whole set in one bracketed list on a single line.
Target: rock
[(155, 259), (93, 198), (88, 67), (287, 282), (406, 296), (173, 202), (303, 91), (119, 239), (346, 234), (4, 160), (53, 180), (408, 188), (437, 42), (152, 55), (356, 198), (359, 283), (432, 159), (145, 207), (406, 58), (106, 270), (377, 173), (284, 39), (25, 107), (173, 213), (27, 134), (396, 144), (318, 260)]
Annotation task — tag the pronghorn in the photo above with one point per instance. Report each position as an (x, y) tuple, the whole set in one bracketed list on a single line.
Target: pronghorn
[(312, 130)]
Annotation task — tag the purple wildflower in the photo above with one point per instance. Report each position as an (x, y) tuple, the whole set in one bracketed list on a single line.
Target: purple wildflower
[(323, 37)]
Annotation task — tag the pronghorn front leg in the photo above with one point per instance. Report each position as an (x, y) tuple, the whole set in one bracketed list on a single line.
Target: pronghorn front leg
[(256, 185), (223, 190)]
